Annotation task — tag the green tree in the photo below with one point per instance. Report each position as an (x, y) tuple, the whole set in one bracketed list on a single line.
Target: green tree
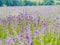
[(48, 2)]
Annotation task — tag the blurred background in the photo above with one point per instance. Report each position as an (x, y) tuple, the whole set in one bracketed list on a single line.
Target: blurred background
[(28, 2)]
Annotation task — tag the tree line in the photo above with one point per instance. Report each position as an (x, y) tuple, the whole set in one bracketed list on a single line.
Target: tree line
[(24, 3)]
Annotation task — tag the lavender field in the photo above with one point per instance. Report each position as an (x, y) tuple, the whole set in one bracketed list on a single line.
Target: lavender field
[(30, 25)]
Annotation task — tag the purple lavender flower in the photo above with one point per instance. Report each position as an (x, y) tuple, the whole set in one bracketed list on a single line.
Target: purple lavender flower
[(30, 18), (36, 33), (38, 20), (44, 25), (9, 41), (27, 18), (28, 39), (3, 21), (31, 44), (9, 18), (18, 19), (28, 36)]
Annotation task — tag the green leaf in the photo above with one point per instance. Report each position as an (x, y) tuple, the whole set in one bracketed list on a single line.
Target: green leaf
[(10, 29), (3, 34), (18, 29), (36, 41), (37, 25), (58, 41), (52, 41), (32, 27), (25, 23)]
